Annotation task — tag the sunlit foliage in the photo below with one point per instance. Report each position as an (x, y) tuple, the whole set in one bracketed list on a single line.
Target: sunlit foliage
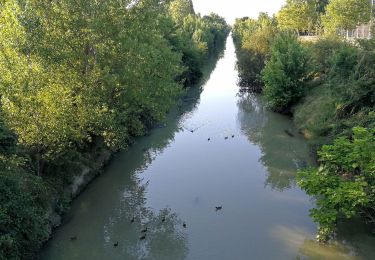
[(285, 72), (346, 14), (76, 75), (253, 39)]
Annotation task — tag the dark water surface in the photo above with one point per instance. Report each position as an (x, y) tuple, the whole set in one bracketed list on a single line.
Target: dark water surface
[(175, 176)]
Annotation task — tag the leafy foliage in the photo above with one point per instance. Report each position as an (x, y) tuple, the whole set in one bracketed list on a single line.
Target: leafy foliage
[(346, 14), (345, 182), (23, 222), (344, 95), (329, 85), (76, 75), (253, 40), (284, 73), (298, 15)]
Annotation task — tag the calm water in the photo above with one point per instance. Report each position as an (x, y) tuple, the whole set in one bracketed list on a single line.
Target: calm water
[(181, 177)]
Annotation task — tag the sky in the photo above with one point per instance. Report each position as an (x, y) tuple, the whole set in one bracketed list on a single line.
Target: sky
[(232, 9)]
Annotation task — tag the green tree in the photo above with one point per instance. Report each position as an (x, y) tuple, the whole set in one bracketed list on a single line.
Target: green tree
[(346, 14), (253, 39), (23, 219), (180, 9), (78, 78), (345, 182), (284, 73), (298, 15)]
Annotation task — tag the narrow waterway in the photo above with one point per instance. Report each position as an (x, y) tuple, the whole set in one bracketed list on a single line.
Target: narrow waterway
[(223, 149)]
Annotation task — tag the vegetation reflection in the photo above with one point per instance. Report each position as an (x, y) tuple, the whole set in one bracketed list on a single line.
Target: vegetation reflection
[(282, 154)]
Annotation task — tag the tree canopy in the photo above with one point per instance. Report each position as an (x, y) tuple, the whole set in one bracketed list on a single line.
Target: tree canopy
[(346, 14), (77, 74), (298, 15)]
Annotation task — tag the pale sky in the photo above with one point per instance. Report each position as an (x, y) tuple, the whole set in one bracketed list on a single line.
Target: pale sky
[(232, 9)]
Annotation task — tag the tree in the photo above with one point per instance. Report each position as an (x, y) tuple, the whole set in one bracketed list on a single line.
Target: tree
[(253, 38), (180, 9), (346, 14), (284, 73), (298, 15), (345, 183), (23, 219), (321, 6)]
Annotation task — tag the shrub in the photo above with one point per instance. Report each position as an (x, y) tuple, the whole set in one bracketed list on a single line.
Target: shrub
[(345, 95), (345, 182), (285, 72), (23, 221)]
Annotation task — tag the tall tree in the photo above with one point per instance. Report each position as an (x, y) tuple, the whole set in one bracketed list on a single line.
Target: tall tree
[(298, 15), (346, 14), (180, 9)]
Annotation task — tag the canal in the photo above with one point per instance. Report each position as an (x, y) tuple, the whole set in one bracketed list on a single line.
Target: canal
[(217, 181)]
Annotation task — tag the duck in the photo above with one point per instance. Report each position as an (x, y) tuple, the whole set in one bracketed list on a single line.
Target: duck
[(226, 138), (132, 220), (288, 132), (144, 230), (219, 208), (184, 225), (209, 139), (73, 238), (143, 237), (191, 131), (232, 136), (115, 244)]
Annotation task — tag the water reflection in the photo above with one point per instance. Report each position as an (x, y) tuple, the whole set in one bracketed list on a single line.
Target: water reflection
[(282, 154), (164, 238), (100, 224)]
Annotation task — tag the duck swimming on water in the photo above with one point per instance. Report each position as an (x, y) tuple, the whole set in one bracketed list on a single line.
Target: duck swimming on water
[(288, 132)]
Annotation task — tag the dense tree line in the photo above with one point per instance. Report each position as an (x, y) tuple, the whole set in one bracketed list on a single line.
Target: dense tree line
[(311, 17), (329, 87), (252, 38), (75, 75)]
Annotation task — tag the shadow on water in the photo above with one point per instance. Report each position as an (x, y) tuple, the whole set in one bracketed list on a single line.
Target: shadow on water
[(282, 154), (120, 207)]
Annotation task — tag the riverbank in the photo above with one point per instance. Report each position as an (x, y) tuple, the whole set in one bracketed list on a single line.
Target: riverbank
[(96, 77), (100, 156), (328, 88), (174, 176)]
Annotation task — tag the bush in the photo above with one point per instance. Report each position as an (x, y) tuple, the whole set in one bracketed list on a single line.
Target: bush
[(285, 72), (345, 182), (322, 52), (345, 95), (23, 221)]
